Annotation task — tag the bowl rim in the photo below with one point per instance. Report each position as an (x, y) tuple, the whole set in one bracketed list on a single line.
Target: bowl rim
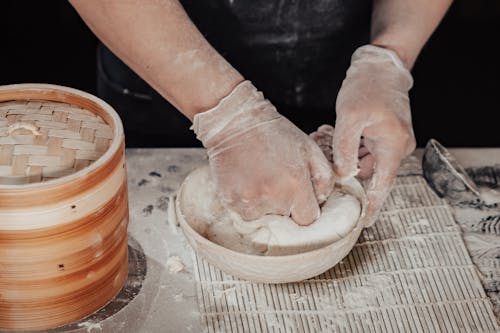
[(186, 227), (62, 93)]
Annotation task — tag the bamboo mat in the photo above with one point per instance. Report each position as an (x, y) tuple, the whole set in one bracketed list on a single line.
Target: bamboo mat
[(410, 272)]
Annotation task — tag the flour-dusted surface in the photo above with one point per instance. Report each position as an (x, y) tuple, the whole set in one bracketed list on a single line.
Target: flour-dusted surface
[(410, 272), (169, 302), (480, 223)]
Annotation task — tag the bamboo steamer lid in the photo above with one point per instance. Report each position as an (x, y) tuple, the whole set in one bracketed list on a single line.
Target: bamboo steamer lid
[(63, 206)]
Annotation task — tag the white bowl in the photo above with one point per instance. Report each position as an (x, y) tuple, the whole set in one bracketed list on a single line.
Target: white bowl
[(269, 269)]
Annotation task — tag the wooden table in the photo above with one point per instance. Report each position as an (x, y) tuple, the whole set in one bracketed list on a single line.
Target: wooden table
[(167, 301)]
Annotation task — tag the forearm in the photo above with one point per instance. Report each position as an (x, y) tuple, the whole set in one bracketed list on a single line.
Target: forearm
[(404, 26), (158, 41)]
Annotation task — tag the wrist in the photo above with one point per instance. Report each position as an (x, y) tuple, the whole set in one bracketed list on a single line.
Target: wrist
[(386, 62), (200, 98), (244, 107), (402, 52)]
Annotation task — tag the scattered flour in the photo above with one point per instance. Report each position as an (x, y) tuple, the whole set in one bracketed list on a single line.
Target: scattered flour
[(372, 292), (178, 297), (229, 294), (175, 264), (89, 325), (490, 196), (297, 298)]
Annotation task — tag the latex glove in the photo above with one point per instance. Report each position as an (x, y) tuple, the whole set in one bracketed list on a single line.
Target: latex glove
[(373, 111), (262, 163), (323, 137)]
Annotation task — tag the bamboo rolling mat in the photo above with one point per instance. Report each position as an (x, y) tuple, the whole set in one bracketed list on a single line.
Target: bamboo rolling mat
[(410, 272)]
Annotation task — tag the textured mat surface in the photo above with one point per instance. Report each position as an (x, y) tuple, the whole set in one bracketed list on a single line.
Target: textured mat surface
[(410, 272), (480, 223)]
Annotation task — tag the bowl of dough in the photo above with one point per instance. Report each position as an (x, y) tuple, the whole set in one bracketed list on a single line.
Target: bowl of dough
[(272, 249)]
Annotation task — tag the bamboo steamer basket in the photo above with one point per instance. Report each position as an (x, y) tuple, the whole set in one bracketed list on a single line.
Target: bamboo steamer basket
[(63, 206), (265, 269)]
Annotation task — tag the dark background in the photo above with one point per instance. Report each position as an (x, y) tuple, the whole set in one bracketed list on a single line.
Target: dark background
[(457, 76)]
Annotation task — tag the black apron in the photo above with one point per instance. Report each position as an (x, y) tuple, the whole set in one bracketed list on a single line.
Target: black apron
[(295, 52)]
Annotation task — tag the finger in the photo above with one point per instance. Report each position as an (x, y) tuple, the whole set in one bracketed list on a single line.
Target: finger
[(366, 165), (244, 200), (249, 212), (386, 166), (323, 136), (324, 142), (321, 174), (305, 208), (346, 140), (327, 152), (327, 129)]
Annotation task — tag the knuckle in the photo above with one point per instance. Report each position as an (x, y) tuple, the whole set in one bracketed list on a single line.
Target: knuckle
[(249, 213), (237, 200), (328, 178), (322, 173)]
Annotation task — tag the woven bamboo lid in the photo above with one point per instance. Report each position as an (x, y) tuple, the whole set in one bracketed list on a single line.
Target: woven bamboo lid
[(46, 139)]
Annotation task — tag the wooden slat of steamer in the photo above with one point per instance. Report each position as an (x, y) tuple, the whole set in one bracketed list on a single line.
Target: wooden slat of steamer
[(74, 124), (19, 164), (54, 146), (87, 134), (30, 150), (80, 164), (51, 124), (9, 176), (5, 170), (46, 109), (101, 144), (34, 174), (6, 154), (42, 138), (20, 111), (64, 133), (58, 171), (87, 155), (45, 160), (60, 117), (68, 157)]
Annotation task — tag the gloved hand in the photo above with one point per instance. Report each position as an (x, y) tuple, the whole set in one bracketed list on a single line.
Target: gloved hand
[(260, 162), (373, 112)]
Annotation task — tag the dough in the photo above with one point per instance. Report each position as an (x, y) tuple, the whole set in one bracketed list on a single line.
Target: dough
[(270, 235)]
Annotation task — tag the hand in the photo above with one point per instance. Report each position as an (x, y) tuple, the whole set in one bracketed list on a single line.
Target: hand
[(373, 112), (262, 163)]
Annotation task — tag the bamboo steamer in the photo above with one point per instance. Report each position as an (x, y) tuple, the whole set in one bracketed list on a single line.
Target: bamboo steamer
[(63, 206)]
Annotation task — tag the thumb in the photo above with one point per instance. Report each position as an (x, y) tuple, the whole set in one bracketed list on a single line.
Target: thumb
[(305, 208), (386, 167)]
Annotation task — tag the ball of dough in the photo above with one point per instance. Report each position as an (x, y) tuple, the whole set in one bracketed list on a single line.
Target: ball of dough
[(272, 234)]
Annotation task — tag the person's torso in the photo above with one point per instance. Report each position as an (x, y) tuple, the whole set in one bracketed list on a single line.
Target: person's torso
[(295, 51)]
